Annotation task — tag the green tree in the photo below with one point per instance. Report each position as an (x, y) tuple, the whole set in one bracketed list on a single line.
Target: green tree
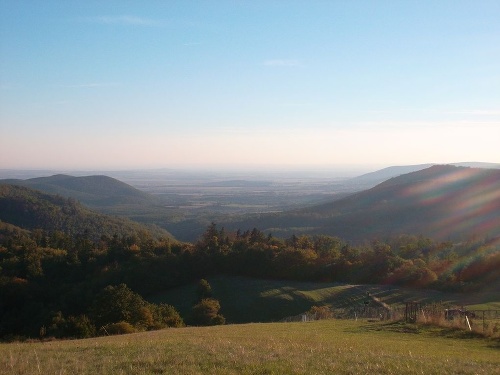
[(166, 316), (206, 313), (118, 304), (204, 290), (79, 327)]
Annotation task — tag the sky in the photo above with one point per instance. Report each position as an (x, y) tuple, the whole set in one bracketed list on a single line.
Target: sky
[(248, 84)]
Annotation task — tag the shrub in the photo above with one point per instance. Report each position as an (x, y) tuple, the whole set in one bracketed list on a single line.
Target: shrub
[(119, 304), (206, 313), (321, 312), (166, 316), (79, 327), (120, 328), (204, 290)]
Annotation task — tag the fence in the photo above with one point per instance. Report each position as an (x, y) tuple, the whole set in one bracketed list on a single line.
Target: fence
[(356, 312), (479, 320)]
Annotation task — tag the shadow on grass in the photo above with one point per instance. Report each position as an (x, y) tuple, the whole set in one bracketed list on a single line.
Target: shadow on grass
[(428, 330), (392, 326)]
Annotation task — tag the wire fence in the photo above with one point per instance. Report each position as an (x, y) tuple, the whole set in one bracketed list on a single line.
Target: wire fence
[(486, 321)]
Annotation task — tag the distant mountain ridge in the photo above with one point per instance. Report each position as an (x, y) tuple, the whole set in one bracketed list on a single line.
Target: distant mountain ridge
[(442, 202), (374, 178)]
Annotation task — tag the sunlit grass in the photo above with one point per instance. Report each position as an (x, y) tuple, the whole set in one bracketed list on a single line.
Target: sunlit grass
[(323, 347)]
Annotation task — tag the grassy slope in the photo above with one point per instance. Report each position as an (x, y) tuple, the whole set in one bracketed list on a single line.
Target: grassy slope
[(252, 300), (322, 347)]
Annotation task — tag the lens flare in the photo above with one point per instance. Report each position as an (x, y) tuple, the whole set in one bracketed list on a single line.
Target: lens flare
[(468, 199)]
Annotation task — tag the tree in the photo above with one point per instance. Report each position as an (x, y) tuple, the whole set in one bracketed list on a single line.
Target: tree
[(74, 326), (204, 290), (210, 240), (166, 316), (206, 313), (116, 304), (80, 327)]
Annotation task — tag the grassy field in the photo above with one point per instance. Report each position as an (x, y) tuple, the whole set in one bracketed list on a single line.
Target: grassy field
[(246, 300), (321, 347)]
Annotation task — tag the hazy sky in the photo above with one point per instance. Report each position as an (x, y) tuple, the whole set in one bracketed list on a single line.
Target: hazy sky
[(129, 84)]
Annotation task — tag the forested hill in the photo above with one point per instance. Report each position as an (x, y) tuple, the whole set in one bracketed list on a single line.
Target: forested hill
[(93, 191), (374, 178), (442, 202), (31, 209)]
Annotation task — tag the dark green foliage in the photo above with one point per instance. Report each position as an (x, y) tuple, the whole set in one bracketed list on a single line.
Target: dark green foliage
[(75, 281), (165, 316), (118, 303), (206, 313), (31, 209), (74, 326), (119, 328), (93, 191), (204, 290), (36, 280)]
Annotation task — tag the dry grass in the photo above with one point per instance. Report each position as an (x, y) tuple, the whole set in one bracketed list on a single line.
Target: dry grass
[(322, 347), (489, 328)]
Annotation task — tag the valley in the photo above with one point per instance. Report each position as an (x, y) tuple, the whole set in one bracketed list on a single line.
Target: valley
[(239, 192), (185, 202), (273, 246), (249, 187)]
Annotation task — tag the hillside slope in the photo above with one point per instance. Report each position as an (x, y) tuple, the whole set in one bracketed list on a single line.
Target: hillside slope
[(31, 209), (443, 202), (374, 178), (93, 191), (105, 195)]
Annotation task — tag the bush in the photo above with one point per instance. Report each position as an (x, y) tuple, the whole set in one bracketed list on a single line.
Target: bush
[(118, 304), (166, 316), (206, 313), (320, 312), (79, 327), (204, 290), (120, 328)]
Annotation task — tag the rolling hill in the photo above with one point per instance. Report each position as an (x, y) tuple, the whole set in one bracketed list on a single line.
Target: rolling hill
[(105, 195), (93, 191), (31, 209), (374, 178), (442, 202)]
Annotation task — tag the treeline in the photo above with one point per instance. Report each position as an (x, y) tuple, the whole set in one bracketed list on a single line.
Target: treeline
[(405, 260), (62, 285)]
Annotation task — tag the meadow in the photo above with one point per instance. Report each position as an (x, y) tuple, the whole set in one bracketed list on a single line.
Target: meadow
[(320, 347)]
